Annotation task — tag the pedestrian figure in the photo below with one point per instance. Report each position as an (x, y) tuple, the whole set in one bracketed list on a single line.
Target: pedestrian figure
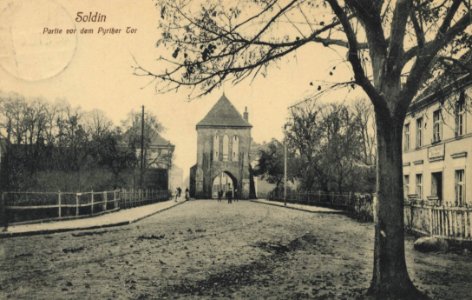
[(176, 194), (3, 215), (229, 196), (187, 194), (179, 192), (220, 195)]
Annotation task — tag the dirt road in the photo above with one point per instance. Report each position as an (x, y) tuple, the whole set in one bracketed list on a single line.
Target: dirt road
[(207, 249)]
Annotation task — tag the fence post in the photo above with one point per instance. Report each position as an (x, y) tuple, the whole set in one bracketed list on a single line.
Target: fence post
[(91, 202), (430, 220), (129, 196), (114, 199), (3, 212), (104, 200), (77, 195), (59, 203), (124, 197)]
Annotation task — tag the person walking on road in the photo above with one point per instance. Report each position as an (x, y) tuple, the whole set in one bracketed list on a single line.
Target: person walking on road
[(187, 194), (220, 195), (229, 196), (179, 191), (176, 194), (3, 215)]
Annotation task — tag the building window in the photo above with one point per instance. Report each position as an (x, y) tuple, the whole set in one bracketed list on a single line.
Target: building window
[(216, 148), (225, 147), (436, 185), (406, 137), (406, 185), (419, 132), (419, 186), (460, 187), (460, 115), (437, 126), (235, 148)]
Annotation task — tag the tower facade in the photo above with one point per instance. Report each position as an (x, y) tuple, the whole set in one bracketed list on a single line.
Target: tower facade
[(223, 147)]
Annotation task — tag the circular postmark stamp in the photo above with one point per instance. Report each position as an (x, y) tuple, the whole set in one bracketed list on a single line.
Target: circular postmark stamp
[(37, 39)]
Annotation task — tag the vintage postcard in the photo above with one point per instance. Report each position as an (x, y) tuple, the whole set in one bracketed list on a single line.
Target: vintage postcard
[(252, 149)]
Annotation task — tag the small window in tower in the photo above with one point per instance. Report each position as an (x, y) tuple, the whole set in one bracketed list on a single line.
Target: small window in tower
[(235, 148), (216, 148), (225, 148)]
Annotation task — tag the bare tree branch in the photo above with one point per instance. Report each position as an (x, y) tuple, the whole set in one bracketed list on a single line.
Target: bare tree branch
[(353, 56)]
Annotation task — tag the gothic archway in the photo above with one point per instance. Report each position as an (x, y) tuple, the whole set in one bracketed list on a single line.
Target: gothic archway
[(225, 181)]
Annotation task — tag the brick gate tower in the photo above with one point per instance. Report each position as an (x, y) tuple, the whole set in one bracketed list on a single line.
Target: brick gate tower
[(223, 148)]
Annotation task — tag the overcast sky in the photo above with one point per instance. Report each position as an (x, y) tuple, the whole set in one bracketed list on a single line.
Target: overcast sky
[(97, 71)]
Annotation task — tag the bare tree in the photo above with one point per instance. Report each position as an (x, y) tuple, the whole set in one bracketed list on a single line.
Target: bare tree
[(392, 47), (270, 164), (327, 141), (364, 113), (154, 156), (96, 123), (304, 133), (340, 145), (13, 117)]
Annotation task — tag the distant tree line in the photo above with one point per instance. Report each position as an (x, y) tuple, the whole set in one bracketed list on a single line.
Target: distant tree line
[(330, 147), (55, 146)]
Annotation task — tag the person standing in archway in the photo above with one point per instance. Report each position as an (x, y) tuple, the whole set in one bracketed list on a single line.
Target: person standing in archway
[(229, 196), (220, 195), (187, 194)]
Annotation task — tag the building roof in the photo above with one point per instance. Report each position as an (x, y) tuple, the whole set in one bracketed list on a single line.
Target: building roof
[(158, 140), (223, 113), (452, 80)]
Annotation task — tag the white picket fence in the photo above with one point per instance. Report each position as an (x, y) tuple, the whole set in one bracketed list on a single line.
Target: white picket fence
[(450, 222), (422, 217)]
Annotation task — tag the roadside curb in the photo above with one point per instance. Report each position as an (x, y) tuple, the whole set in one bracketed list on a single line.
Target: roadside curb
[(153, 213), (59, 230), (332, 212)]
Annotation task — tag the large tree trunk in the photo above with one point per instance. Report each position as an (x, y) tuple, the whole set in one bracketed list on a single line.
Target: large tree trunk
[(390, 277)]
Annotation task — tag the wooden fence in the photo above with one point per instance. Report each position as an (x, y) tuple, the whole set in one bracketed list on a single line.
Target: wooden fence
[(340, 200), (358, 204), (421, 217), (449, 222), (26, 207)]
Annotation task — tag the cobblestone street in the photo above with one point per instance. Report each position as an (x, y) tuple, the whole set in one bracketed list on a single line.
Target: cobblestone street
[(216, 250)]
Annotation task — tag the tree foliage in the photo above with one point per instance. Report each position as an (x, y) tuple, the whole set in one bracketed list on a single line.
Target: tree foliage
[(213, 41), (152, 128), (270, 163), (328, 142), (41, 138)]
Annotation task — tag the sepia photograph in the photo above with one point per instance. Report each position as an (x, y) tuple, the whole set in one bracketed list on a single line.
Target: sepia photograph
[(236, 149)]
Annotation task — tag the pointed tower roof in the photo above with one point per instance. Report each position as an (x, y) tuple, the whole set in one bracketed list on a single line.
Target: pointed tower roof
[(223, 113)]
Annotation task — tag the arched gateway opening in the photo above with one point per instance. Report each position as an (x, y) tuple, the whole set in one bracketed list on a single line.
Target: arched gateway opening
[(224, 182)]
